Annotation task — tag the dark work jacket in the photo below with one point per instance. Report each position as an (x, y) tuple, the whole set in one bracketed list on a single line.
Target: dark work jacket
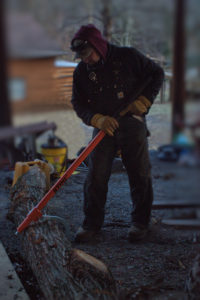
[(106, 86)]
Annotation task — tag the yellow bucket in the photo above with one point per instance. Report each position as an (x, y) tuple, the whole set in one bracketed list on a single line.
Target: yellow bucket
[(56, 156)]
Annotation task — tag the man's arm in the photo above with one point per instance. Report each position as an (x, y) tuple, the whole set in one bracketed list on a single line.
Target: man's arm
[(80, 105), (148, 68), (145, 68), (79, 100)]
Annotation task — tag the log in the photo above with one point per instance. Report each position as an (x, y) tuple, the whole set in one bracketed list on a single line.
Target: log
[(62, 272)]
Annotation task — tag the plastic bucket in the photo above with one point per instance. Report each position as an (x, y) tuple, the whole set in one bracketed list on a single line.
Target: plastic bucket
[(56, 156)]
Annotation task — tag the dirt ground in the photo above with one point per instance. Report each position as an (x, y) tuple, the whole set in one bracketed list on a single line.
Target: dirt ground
[(156, 268)]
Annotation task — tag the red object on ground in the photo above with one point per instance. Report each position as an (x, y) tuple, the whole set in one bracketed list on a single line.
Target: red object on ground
[(35, 213)]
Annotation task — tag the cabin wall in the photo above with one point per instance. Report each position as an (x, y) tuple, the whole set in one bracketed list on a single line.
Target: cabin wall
[(46, 87)]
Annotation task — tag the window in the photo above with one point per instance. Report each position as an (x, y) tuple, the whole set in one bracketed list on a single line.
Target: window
[(17, 89)]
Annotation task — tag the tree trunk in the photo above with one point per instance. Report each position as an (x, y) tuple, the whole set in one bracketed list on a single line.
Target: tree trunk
[(107, 19), (61, 271)]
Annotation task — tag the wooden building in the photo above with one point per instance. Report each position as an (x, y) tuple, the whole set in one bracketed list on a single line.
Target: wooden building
[(39, 78)]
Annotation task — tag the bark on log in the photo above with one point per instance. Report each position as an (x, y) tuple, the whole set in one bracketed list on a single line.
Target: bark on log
[(61, 271)]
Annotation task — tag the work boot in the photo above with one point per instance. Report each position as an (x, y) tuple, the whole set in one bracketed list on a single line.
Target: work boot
[(137, 233), (84, 235)]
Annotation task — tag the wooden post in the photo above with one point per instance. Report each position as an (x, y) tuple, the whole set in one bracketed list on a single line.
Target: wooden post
[(5, 112), (178, 84)]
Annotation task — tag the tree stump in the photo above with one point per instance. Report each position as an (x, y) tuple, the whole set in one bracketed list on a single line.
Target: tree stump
[(61, 271)]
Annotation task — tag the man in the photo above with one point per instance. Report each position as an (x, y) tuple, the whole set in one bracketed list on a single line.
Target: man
[(104, 80)]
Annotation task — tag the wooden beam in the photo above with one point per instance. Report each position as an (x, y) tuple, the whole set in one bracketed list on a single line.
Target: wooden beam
[(182, 223), (10, 285), (174, 204), (35, 128)]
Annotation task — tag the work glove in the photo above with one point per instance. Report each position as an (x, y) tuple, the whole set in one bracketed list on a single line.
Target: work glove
[(137, 107), (106, 123)]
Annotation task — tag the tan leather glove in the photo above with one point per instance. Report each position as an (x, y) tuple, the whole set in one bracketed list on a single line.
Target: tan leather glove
[(138, 107), (105, 123)]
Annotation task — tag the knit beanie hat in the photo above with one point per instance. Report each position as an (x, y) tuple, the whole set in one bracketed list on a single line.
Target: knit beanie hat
[(92, 35)]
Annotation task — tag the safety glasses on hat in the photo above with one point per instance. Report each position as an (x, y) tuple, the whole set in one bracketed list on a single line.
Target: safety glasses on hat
[(82, 48)]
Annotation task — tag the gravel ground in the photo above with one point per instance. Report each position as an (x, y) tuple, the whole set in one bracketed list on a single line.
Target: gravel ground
[(155, 268)]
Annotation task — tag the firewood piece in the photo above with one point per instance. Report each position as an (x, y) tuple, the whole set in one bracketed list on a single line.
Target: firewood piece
[(61, 271)]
